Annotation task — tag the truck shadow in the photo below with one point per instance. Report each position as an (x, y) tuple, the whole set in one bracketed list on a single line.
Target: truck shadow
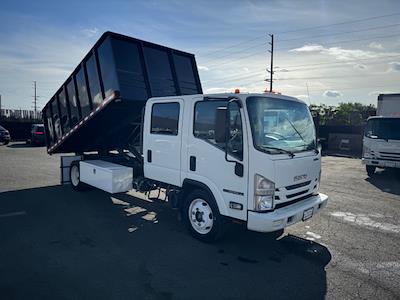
[(387, 180), (23, 145), (95, 245)]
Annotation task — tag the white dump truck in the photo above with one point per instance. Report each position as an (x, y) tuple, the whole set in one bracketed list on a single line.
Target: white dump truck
[(381, 142), (135, 117)]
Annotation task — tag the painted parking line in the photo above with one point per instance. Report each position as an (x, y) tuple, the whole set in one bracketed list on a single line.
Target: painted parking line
[(13, 214), (366, 221)]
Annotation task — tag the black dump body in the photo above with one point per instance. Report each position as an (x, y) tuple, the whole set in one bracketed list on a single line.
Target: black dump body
[(99, 107)]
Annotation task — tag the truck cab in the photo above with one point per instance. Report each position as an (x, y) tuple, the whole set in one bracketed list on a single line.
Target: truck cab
[(248, 157), (381, 143)]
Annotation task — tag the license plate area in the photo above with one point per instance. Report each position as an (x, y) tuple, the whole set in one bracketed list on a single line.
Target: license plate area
[(308, 213)]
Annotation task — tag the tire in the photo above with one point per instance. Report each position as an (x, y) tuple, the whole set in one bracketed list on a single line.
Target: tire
[(370, 170), (74, 175), (6, 142), (202, 218)]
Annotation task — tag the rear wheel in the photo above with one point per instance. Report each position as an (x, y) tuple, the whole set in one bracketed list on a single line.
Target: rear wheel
[(74, 175), (202, 217), (370, 170)]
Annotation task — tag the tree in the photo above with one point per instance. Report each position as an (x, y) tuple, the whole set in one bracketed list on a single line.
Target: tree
[(344, 114)]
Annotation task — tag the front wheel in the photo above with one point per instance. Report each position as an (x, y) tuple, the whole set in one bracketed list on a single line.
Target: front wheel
[(370, 170), (202, 217)]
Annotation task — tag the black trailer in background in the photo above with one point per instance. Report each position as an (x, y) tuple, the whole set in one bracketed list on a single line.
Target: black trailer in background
[(99, 107)]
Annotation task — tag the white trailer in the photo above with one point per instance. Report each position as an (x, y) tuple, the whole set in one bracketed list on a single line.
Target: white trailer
[(220, 158), (381, 142)]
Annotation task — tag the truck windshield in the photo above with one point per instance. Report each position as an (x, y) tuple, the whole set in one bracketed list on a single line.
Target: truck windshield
[(383, 128), (280, 126)]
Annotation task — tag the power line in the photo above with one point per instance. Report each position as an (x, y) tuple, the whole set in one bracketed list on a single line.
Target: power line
[(300, 38), (306, 66), (342, 23), (352, 40), (347, 88), (340, 33), (302, 29), (252, 76), (340, 64), (344, 62), (289, 48)]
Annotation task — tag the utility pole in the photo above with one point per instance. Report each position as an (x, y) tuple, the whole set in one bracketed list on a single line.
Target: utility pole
[(0, 107), (271, 70), (34, 98)]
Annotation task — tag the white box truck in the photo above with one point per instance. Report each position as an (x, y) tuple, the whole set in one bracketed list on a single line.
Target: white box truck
[(381, 142)]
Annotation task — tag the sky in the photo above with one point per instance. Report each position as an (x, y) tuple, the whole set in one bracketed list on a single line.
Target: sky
[(325, 52)]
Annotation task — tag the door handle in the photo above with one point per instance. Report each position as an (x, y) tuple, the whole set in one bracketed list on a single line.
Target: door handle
[(149, 158), (192, 164)]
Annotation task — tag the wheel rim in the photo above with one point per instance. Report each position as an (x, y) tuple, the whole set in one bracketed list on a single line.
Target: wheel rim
[(75, 175), (201, 216)]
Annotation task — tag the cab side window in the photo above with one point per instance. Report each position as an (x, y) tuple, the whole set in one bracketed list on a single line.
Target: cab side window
[(235, 141), (205, 116), (165, 118)]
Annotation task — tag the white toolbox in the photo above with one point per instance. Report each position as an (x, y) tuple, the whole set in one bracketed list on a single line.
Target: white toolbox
[(106, 176)]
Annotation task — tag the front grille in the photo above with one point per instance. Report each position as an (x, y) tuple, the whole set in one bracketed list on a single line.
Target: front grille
[(298, 185), (296, 194), (280, 205), (390, 153)]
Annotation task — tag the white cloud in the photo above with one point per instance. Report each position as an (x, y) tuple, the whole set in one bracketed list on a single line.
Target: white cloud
[(360, 66), (332, 94), (216, 90), (91, 32), (338, 52), (203, 68), (394, 66), (308, 48), (282, 70), (246, 69), (375, 45)]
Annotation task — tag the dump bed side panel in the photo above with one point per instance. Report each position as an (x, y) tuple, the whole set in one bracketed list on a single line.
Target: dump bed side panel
[(100, 105)]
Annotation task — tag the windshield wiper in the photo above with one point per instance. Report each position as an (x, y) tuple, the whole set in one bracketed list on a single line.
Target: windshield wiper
[(290, 153), (295, 129)]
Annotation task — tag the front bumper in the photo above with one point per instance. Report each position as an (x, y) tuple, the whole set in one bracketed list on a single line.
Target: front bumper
[(382, 163), (5, 138), (285, 216)]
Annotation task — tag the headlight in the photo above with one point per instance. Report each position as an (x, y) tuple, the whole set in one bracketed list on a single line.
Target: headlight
[(367, 151), (318, 184), (264, 193)]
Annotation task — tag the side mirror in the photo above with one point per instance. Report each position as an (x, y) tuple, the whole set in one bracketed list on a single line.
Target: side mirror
[(220, 132)]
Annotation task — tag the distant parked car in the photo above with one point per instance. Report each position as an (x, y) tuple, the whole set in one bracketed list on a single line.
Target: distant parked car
[(4, 136), (37, 135)]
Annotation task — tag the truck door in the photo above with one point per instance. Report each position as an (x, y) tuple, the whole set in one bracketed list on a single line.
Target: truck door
[(162, 138), (226, 178)]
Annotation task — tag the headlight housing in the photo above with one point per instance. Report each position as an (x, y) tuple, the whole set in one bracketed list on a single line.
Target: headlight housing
[(367, 151), (318, 183), (264, 193)]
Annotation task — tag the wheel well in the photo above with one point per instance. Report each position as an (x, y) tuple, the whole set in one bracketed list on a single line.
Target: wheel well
[(190, 185)]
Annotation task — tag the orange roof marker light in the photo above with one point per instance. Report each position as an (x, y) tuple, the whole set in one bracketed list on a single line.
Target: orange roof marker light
[(237, 91)]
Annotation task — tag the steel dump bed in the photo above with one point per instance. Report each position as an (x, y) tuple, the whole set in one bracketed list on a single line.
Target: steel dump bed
[(99, 106)]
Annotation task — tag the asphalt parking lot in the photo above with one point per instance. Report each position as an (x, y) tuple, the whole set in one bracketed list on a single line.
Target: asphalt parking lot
[(60, 244)]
